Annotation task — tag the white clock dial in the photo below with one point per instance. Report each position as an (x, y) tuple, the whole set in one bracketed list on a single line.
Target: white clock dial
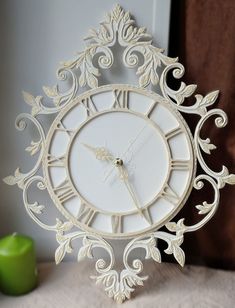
[(119, 161)]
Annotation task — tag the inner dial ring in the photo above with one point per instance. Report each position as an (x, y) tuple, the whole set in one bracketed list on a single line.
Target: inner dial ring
[(148, 123), (163, 118)]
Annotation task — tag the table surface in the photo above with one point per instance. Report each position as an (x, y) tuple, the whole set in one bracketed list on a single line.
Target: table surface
[(68, 286)]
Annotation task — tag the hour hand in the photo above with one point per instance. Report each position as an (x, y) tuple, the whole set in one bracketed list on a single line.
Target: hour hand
[(100, 153)]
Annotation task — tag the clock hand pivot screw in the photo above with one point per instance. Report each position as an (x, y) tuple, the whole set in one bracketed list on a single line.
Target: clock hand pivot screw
[(118, 162)]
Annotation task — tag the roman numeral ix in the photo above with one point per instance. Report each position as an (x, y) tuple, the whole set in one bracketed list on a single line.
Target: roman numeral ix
[(64, 191)]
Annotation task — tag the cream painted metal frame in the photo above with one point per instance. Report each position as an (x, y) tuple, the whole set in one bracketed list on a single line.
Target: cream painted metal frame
[(118, 27)]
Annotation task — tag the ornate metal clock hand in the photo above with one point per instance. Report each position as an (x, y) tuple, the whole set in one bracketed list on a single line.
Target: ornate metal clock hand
[(125, 152), (123, 175), (101, 153)]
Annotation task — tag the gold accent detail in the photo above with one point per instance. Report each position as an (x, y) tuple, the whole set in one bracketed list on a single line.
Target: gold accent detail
[(101, 153)]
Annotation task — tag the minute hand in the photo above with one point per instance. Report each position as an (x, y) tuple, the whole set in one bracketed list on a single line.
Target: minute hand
[(125, 152), (124, 177)]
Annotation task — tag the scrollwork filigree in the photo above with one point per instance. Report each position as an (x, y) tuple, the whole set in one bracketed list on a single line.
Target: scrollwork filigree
[(223, 176), (177, 97), (20, 178), (205, 208), (121, 286), (117, 28), (153, 58)]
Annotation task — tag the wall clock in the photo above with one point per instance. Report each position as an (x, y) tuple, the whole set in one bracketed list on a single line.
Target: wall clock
[(119, 160)]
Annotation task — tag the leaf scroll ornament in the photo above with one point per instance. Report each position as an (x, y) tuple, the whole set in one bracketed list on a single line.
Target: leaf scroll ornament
[(178, 253), (61, 251), (85, 250), (64, 241), (34, 102), (34, 147), (151, 250), (17, 178), (36, 208)]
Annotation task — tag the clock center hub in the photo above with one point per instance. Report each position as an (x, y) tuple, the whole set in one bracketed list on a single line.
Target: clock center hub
[(118, 162)]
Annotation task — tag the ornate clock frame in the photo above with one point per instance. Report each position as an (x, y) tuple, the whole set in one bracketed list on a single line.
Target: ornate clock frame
[(118, 27)]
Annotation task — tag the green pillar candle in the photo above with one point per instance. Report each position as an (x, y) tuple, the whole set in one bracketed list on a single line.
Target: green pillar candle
[(18, 274)]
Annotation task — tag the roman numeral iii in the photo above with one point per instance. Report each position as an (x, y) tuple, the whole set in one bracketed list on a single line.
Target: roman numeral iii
[(180, 164)]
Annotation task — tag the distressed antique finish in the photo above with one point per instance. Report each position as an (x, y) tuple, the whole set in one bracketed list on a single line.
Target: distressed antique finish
[(118, 28)]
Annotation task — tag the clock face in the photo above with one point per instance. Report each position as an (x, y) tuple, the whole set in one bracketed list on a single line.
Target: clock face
[(119, 161)]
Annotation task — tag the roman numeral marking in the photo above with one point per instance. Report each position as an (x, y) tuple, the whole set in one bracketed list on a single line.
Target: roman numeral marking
[(148, 113), (89, 106), (116, 221), (180, 164), (147, 215), (170, 195), (173, 133), (60, 126), (64, 191), (54, 161), (120, 99), (86, 214)]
